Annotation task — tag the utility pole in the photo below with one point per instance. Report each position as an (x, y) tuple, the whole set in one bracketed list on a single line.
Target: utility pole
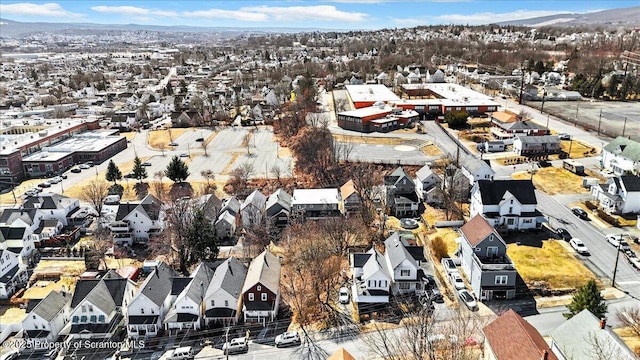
[(624, 127), (227, 342), (599, 121), (548, 132), (615, 268), (521, 82), (570, 145), (544, 95), (575, 122)]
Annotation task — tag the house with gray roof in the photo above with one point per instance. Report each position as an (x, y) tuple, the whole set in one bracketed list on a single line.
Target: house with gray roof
[(47, 319), (228, 218), (278, 208), (427, 185), (135, 222), (475, 169), (17, 238), (621, 156), (223, 298), (620, 195), (12, 276), (401, 198), (186, 313), (586, 337), (371, 288), (147, 310), (261, 289), (402, 267), (536, 145), (252, 209)]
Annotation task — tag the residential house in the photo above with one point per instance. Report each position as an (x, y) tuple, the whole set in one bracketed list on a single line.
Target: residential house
[(227, 222), (211, 205), (620, 195), (146, 312), (402, 199), (52, 206), (314, 204), (252, 209), (508, 204), (135, 222), (223, 299), (475, 169), (98, 305), (402, 267), (46, 320), (278, 208), (586, 337), (536, 145), (621, 156), (261, 290), (484, 261), (124, 120), (350, 198), (371, 281), (186, 313), (507, 124), (510, 329), (12, 275), (17, 238), (427, 185)]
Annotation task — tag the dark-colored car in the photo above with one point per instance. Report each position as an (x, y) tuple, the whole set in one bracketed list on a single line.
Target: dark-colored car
[(200, 140), (436, 295), (130, 176), (76, 170), (563, 234), (580, 213)]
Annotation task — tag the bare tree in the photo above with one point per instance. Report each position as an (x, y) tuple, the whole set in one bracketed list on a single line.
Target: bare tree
[(365, 177), (162, 146), (630, 317), (240, 176), (95, 193), (246, 141), (158, 186), (601, 348), (276, 171), (205, 144), (209, 176), (342, 233)]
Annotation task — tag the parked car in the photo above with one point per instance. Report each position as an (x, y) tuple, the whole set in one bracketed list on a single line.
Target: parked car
[(146, 163), (579, 246), (84, 166), (343, 295), (468, 299), (616, 240), (456, 280), (449, 265), (56, 179), (436, 295), (45, 184), (184, 155), (63, 176), (200, 139), (564, 234), (130, 175), (288, 338), (429, 281), (237, 345), (181, 353), (76, 170), (579, 212), (564, 136), (32, 192), (173, 144)]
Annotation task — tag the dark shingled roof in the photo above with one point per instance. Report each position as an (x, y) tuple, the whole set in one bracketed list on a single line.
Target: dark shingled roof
[(158, 284), (229, 276), (631, 182), (492, 191)]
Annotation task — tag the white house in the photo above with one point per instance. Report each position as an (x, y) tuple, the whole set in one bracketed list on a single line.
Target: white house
[(12, 276), (136, 221), (426, 182), (373, 284), (252, 209), (186, 312), (402, 267), (223, 299), (475, 169), (146, 312), (52, 206), (47, 319), (621, 156), (313, 204), (621, 194), (18, 238), (505, 203)]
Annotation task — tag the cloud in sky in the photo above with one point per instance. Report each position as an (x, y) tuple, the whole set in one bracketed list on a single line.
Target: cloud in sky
[(30, 9), (240, 15), (490, 17), (303, 13), (132, 11)]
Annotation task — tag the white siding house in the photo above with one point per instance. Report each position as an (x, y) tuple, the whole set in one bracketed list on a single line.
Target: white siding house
[(222, 302), (402, 267), (146, 312), (505, 203), (621, 194), (621, 156), (186, 312), (47, 319)]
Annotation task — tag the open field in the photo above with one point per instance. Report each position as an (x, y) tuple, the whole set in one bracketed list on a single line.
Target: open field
[(41, 289), (629, 337), (561, 269), (157, 138), (553, 180), (578, 149)]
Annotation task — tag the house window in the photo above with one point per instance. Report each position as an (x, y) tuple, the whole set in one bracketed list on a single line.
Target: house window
[(258, 287), (226, 303), (250, 296), (90, 308), (93, 318), (74, 319), (142, 311), (492, 251), (501, 279), (34, 317), (405, 272), (510, 210), (35, 326), (404, 286), (101, 318), (83, 319), (510, 221), (213, 303), (382, 283), (153, 311), (264, 296), (83, 308)]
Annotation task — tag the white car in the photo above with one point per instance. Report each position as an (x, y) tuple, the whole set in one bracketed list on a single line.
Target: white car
[(343, 295), (457, 281), (468, 299), (237, 345), (55, 180), (579, 246), (84, 166), (616, 241), (288, 338), (449, 265)]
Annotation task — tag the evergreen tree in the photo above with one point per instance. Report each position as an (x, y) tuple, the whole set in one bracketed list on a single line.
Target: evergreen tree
[(139, 172), (456, 119), (200, 239), (587, 297), (177, 170), (113, 172)]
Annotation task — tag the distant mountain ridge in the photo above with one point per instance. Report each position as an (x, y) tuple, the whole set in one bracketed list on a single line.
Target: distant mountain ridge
[(613, 17)]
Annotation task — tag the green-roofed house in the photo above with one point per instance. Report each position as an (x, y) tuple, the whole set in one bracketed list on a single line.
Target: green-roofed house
[(621, 156)]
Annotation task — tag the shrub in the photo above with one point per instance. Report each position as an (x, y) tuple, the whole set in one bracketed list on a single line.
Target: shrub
[(439, 248), (590, 205), (608, 218)]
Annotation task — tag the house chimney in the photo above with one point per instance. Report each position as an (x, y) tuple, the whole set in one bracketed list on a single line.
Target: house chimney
[(603, 323), (545, 354)]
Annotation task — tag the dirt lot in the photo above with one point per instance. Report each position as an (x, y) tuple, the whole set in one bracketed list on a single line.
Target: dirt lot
[(553, 180), (578, 148), (561, 269), (163, 137)]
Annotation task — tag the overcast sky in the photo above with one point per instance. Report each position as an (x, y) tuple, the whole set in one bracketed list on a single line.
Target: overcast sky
[(337, 14)]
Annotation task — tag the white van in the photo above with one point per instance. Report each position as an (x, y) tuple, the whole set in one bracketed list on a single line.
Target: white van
[(112, 200), (181, 353)]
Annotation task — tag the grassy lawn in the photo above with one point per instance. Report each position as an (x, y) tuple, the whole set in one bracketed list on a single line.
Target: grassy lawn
[(561, 269), (393, 223), (431, 150), (12, 315), (629, 337), (368, 140), (129, 135), (449, 237), (163, 137), (578, 149), (553, 180)]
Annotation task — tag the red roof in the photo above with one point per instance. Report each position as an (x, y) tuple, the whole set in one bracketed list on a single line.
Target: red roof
[(476, 230), (511, 337)]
